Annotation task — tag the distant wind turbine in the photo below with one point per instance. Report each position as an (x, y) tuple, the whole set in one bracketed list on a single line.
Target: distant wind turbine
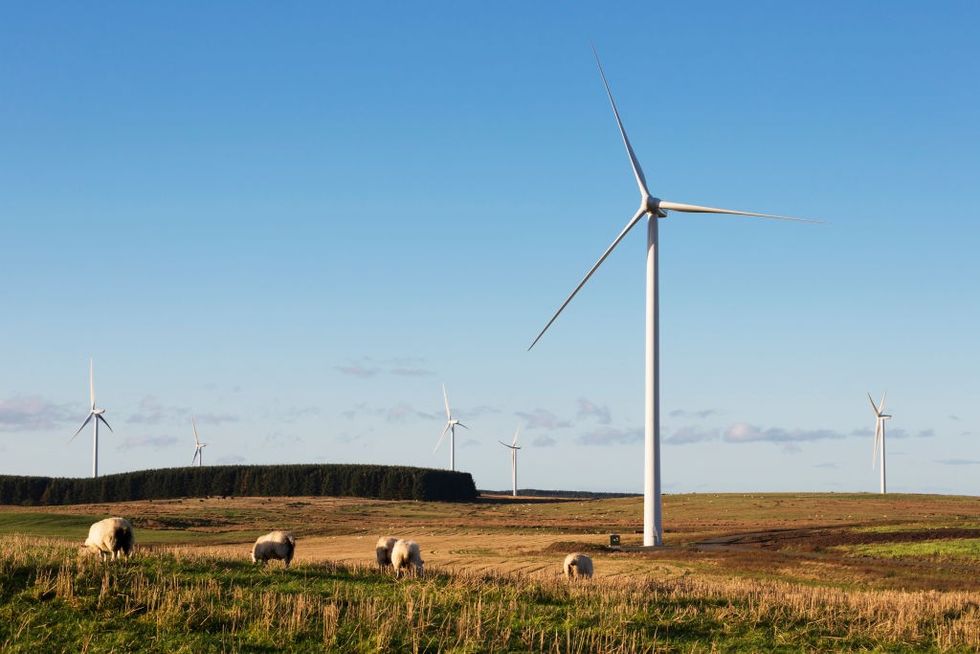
[(451, 424), (94, 416), (652, 208), (513, 460), (879, 449), (198, 446)]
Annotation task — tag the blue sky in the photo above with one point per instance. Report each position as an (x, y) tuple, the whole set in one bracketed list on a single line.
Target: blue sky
[(296, 222)]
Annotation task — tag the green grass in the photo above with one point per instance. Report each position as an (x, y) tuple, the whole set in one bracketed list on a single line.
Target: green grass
[(53, 525), (176, 601), (961, 548), (75, 527), (913, 526)]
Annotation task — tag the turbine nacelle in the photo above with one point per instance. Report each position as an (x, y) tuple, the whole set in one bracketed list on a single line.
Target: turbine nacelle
[(97, 412), (651, 205)]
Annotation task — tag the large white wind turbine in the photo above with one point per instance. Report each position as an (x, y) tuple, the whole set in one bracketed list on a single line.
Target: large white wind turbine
[(513, 460), (879, 449), (451, 424), (198, 446), (652, 208), (94, 416)]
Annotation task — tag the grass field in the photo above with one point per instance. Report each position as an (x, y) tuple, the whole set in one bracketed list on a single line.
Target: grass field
[(739, 573)]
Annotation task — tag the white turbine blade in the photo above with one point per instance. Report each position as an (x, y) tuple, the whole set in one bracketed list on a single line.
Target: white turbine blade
[(78, 431), (449, 415), (694, 208), (639, 214), (505, 444), (637, 171), (516, 432), (194, 425), (874, 407), (196, 453), (99, 417), (91, 382), (881, 407), (458, 423), (441, 437)]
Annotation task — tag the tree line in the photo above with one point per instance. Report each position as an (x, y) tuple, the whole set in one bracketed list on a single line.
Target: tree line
[(335, 480)]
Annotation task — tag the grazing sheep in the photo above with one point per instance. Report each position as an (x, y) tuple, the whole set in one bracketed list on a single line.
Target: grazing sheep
[(274, 545), (406, 554), (578, 565), (383, 550), (110, 537)]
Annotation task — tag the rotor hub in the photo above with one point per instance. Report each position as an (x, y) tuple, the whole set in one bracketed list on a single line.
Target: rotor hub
[(652, 206)]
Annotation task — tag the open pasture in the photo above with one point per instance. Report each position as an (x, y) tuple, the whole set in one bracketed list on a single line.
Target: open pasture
[(739, 572)]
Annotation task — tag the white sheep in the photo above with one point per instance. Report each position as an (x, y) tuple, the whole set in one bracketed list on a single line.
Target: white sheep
[(578, 565), (110, 537), (406, 554), (274, 545), (383, 550)]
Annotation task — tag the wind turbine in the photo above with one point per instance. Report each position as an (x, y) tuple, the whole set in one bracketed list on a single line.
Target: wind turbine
[(98, 416), (880, 418), (451, 424), (652, 208), (513, 460), (198, 446)]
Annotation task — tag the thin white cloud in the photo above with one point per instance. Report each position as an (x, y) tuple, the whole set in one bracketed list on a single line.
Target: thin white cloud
[(400, 412), (742, 432), (589, 409), (544, 441), (356, 370), (542, 419), (214, 418), (480, 410), (153, 412), (279, 439), (411, 372), (34, 413), (688, 435), (904, 433), (297, 413), (958, 462), (701, 414), (366, 367), (155, 442), (610, 436)]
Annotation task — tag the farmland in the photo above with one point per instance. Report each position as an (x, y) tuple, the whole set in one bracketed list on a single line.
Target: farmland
[(739, 572)]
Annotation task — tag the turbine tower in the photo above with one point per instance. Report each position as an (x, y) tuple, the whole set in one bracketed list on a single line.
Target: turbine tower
[(653, 209), (513, 460), (451, 424), (198, 446), (879, 449), (94, 416)]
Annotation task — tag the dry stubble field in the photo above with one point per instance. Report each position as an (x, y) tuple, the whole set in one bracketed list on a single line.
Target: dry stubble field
[(842, 571)]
